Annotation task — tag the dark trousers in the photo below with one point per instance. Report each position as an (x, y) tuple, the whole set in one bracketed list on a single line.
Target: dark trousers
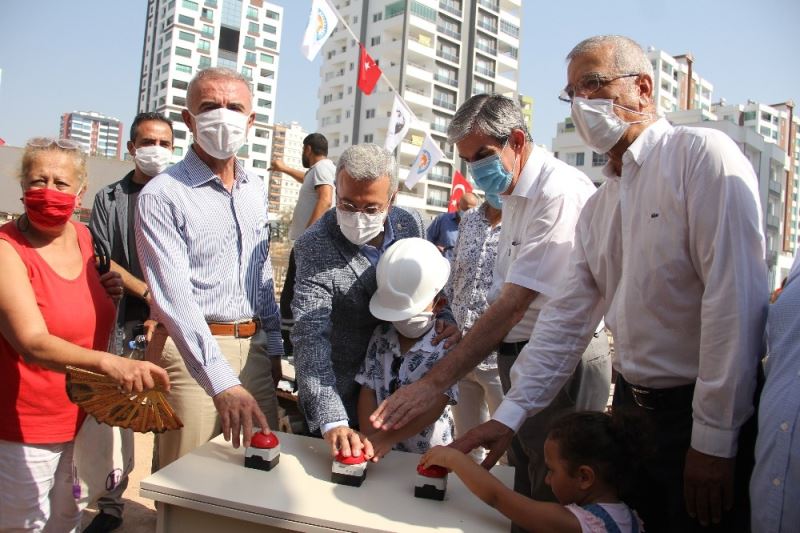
[(657, 493), (287, 295)]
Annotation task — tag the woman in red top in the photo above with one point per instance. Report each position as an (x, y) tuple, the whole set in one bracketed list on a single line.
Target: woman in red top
[(54, 311)]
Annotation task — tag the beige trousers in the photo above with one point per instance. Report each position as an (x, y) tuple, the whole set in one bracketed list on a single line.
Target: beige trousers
[(247, 357)]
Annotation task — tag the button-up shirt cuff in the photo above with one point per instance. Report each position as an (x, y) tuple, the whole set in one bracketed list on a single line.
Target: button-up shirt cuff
[(714, 441), (510, 414), (274, 343), (217, 377), (324, 428)]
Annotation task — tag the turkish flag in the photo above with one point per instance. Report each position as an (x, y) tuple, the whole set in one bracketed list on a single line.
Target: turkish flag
[(2, 142), (368, 72), (460, 186)]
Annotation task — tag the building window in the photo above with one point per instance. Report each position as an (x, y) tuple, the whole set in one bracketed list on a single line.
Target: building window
[(186, 36), (177, 150), (260, 148), (183, 52), (188, 4), (266, 73), (370, 113), (180, 84), (249, 43), (207, 14), (247, 72), (575, 159), (204, 46), (204, 62), (179, 134), (377, 16), (375, 40), (179, 100), (183, 19), (270, 29), (368, 138), (250, 58), (270, 44), (266, 58), (261, 134), (749, 115), (257, 163), (273, 15), (265, 103), (252, 27), (347, 114), (182, 68), (208, 31), (599, 160)]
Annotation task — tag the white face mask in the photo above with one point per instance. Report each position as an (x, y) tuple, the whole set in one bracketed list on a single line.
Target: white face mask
[(597, 123), (221, 132), (416, 326), (360, 228), (152, 160)]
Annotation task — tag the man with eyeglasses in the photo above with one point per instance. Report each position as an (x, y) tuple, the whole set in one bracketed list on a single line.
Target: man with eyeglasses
[(541, 199), (671, 251), (336, 259)]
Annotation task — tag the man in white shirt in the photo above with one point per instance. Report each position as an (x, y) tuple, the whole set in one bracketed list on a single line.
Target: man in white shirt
[(671, 251), (541, 198), (314, 198)]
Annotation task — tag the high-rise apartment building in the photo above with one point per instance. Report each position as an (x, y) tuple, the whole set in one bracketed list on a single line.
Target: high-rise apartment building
[(677, 87), (287, 145), (98, 134), (183, 37), (436, 53)]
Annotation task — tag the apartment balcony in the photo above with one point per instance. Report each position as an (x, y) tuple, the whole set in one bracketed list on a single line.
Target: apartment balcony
[(452, 82), (775, 187), (420, 72), (449, 32), (488, 26), (445, 104), (415, 96), (447, 56), (415, 21), (439, 128), (505, 84), (492, 50), (453, 8), (494, 5), (423, 47), (483, 71), (441, 178), (508, 58), (774, 222)]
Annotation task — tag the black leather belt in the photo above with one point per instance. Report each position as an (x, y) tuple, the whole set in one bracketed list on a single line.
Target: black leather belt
[(512, 348), (660, 399)]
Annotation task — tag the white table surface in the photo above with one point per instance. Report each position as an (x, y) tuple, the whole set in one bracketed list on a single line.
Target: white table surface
[(298, 494)]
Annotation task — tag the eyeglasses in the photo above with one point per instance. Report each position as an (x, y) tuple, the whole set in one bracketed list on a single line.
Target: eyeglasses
[(47, 142), (589, 85), (369, 210), (397, 362)]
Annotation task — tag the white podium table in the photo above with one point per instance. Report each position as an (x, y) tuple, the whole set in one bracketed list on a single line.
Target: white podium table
[(210, 490)]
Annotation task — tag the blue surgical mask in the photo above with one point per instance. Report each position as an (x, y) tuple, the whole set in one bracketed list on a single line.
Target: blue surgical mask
[(494, 200), (490, 175)]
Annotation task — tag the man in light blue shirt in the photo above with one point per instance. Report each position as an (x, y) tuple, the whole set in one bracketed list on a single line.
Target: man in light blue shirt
[(202, 236), (775, 485), (443, 231)]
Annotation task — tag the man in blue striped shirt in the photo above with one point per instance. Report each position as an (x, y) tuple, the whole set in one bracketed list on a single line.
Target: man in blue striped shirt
[(202, 236)]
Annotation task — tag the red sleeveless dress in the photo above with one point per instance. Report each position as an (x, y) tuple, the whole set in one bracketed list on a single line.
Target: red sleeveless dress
[(34, 407)]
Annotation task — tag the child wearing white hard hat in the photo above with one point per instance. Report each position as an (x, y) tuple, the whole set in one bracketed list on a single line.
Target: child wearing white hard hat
[(410, 276)]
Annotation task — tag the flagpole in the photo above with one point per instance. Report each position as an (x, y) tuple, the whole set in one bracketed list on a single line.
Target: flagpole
[(344, 23)]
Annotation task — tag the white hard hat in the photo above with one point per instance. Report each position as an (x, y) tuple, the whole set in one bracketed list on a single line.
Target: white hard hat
[(409, 274)]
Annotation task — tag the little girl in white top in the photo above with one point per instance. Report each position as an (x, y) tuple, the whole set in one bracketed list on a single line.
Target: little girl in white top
[(589, 456)]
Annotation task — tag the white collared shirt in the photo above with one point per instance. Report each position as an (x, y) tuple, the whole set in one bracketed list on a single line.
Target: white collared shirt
[(538, 232), (672, 252)]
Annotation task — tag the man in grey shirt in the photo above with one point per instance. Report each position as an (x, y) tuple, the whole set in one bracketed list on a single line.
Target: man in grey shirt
[(315, 197)]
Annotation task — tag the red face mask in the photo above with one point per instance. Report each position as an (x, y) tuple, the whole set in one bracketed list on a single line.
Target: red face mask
[(49, 208)]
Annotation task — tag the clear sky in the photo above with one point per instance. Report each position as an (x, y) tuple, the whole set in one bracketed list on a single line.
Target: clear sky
[(58, 56)]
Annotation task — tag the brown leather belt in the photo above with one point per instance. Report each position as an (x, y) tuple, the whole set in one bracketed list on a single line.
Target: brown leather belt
[(240, 330)]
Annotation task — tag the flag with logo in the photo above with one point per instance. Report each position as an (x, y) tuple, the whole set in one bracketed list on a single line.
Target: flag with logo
[(321, 22), (368, 72), (460, 187), (399, 123), (429, 154)]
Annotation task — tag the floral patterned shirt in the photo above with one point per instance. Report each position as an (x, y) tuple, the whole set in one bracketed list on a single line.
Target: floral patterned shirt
[(380, 369), (471, 273)]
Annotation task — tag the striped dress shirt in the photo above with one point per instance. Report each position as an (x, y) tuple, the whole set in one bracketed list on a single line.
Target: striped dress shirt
[(205, 256)]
